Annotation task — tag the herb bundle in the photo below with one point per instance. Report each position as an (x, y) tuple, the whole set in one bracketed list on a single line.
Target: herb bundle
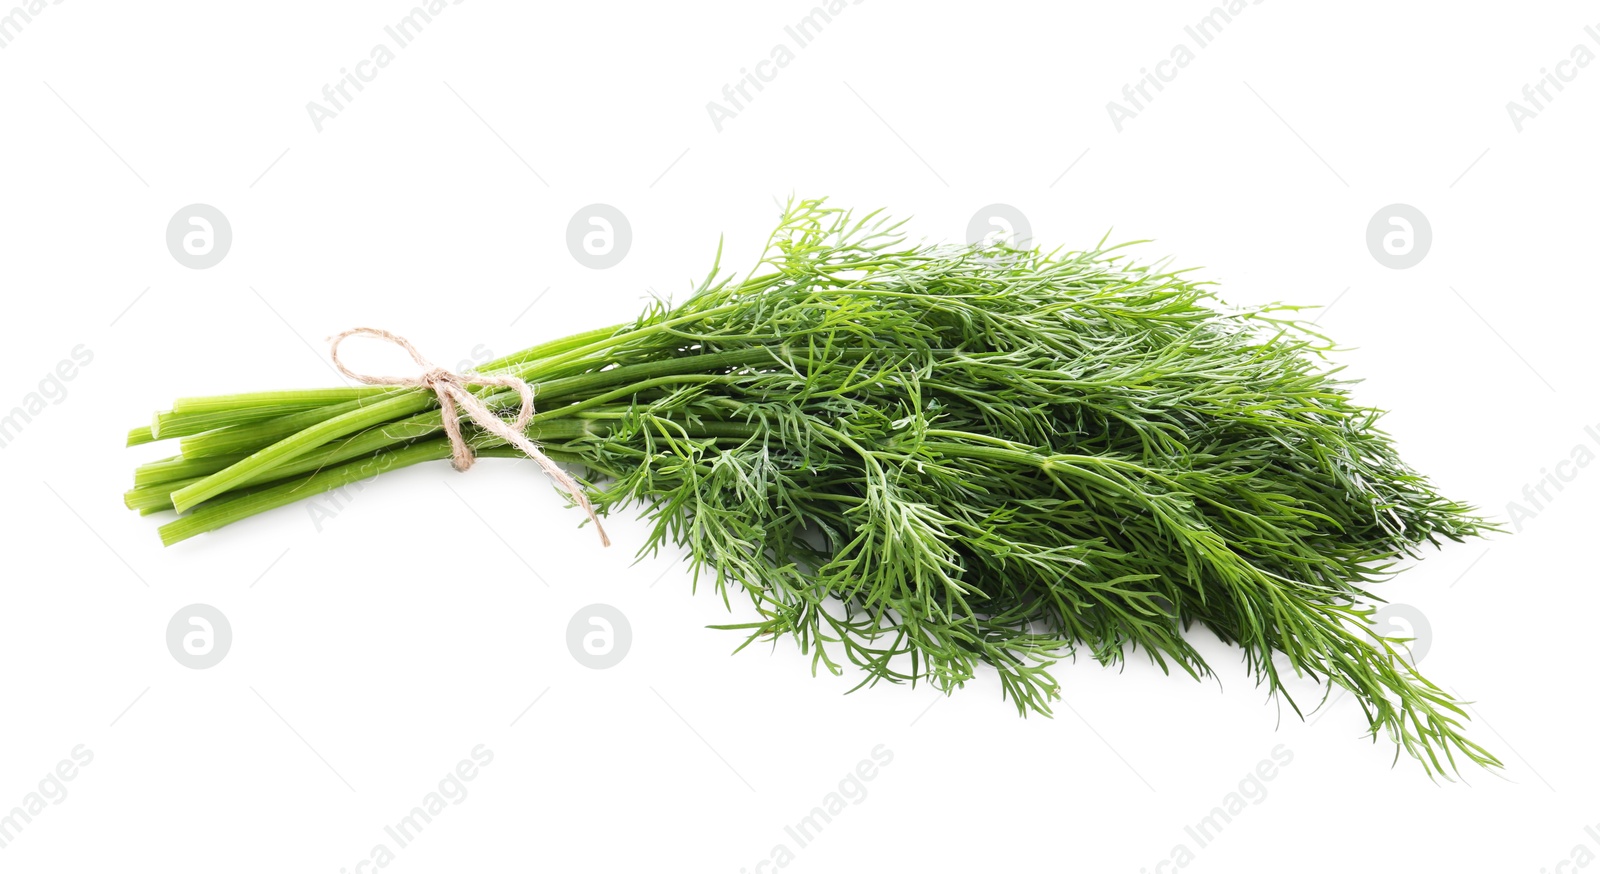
[(922, 459)]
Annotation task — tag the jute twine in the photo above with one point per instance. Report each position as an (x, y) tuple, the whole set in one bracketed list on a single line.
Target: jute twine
[(454, 398)]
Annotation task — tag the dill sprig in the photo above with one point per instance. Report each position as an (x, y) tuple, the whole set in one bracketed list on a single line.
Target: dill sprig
[(929, 460)]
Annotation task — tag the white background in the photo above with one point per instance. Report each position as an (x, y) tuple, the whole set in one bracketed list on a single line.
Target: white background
[(367, 661)]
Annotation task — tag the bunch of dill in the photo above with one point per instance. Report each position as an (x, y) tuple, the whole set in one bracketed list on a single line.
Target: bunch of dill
[(924, 459)]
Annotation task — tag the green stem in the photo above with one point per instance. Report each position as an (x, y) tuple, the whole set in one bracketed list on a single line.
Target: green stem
[(296, 445), (299, 399)]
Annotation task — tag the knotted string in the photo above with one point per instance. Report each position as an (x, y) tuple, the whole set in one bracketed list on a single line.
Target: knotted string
[(452, 391)]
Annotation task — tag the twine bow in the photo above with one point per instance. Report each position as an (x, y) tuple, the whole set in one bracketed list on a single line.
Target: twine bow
[(452, 391)]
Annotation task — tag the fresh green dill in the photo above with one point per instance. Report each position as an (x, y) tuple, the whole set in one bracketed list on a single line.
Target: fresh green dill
[(924, 461)]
